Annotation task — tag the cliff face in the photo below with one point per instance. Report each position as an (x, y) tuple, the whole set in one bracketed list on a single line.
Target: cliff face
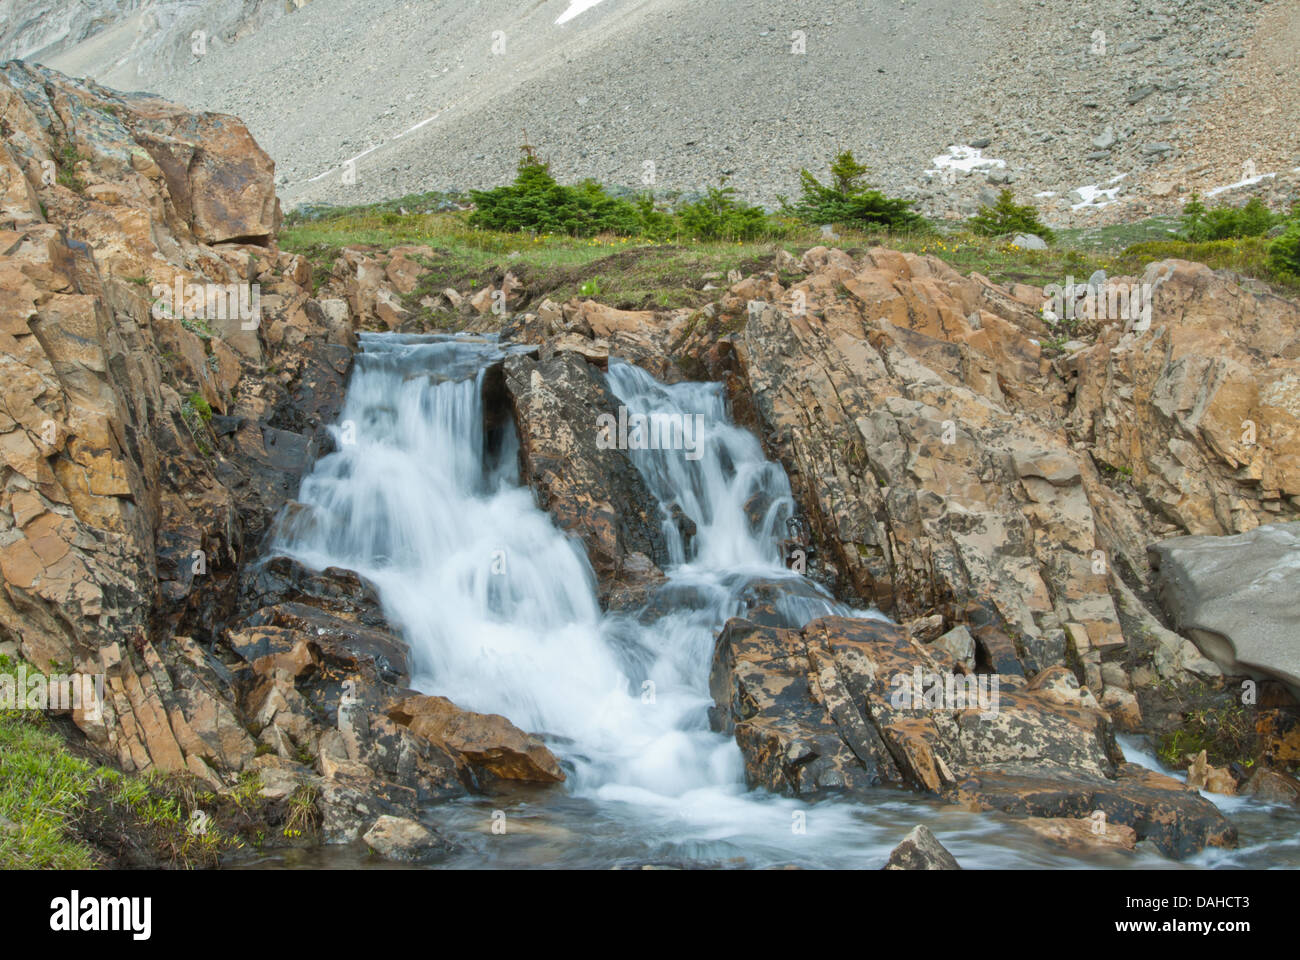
[(140, 460), (167, 375)]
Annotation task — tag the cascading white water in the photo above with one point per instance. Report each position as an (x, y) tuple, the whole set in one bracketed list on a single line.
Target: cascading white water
[(499, 606)]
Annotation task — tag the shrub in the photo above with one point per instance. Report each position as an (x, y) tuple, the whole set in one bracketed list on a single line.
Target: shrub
[(1283, 255), (720, 216), (847, 200), (536, 202), (1007, 216), (1200, 223)]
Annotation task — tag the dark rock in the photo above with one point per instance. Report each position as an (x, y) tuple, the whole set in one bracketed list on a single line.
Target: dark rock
[(921, 851), (596, 494)]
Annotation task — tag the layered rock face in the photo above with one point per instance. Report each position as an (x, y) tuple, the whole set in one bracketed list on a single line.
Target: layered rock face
[(844, 705), (593, 493), (150, 434)]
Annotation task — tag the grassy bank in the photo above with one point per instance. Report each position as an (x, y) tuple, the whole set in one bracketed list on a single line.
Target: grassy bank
[(61, 808), (642, 273)]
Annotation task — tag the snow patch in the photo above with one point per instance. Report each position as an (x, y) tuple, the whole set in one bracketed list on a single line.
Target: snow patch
[(1248, 182), (1095, 196), (964, 159), (576, 7)]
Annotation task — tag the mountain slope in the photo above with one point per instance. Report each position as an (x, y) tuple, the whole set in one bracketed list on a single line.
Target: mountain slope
[(435, 94)]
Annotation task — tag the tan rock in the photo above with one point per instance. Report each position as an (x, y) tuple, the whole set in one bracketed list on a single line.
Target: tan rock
[(1202, 776), (487, 741), (1083, 833)]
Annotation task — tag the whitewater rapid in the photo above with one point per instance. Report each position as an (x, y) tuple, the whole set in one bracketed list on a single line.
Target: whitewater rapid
[(499, 606)]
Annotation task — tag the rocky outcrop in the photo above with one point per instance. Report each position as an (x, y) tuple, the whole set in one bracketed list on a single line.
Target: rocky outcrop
[(593, 492), (844, 705), (920, 850), (953, 465), (1236, 597), (1201, 410), (149, 438), (141, 459)]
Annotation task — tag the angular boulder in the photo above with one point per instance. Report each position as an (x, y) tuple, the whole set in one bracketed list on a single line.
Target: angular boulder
[(487, 741), (920, 850), (1236, 597)]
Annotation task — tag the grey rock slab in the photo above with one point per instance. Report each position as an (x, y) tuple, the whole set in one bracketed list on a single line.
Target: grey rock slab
[(1236, 597)]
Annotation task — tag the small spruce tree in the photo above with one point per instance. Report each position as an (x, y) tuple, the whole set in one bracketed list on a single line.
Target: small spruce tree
[(1007, 216)]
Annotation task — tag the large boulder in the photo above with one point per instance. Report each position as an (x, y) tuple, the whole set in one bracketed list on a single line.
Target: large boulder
[(844, 705), (1236, 597), (489, 742)]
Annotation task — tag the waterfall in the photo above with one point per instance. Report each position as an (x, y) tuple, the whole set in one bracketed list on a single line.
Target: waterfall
[(499, 606)]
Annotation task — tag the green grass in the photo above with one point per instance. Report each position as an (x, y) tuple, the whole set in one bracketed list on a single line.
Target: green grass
[(46, 791), (52, 801), (641, 273), (633, 271), (42, 789)]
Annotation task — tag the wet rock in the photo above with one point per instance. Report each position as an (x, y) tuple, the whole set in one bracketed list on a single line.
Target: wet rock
[(404, 840), (845, 704), (341, 593), (920, 850), (488, 742), (592, 491), (1202, 776), (1272, 786), (1083, 833), (349, 806), (1158, 808)]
